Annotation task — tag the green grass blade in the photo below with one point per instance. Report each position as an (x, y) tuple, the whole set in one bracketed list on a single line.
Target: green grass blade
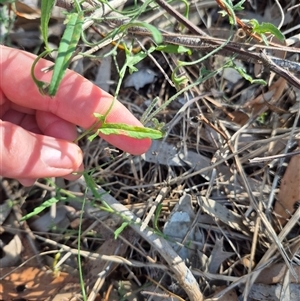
[(66, 49), (46, 9)]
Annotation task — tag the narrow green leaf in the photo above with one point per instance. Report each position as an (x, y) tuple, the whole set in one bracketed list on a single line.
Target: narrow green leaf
[(178, 81), (66, 49), (92, 137), (155, 32), (246, 76), (129, 130), (41, 208), (156, 216), (239, 6), (46, 9), (120, 229)]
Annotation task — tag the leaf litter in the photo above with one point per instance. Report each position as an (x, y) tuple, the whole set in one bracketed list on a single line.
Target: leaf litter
[(184, 197)]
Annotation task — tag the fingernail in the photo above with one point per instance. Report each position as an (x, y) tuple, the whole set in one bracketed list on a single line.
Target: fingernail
[(69, 156)]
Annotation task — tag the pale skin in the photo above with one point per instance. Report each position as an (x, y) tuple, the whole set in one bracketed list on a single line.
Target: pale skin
[(36, 131)]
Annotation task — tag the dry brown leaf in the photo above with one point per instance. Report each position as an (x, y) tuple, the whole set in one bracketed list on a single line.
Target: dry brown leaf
[(270, 97), (238, 117), (275, 274), (289, 192), (30, 283), (255, 105), (231, 295), (25, 11)]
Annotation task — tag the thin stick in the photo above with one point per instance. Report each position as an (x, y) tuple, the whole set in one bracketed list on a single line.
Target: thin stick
[(176, 265), (293, 80), (179, 17), (209, 44)]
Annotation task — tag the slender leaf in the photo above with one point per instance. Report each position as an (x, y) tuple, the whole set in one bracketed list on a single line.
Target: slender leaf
[(130, 131), (66, 49), (120, 229), (246, 76), (46, 9), (239, 6), (156, 217), (41, 208), (155, 32)]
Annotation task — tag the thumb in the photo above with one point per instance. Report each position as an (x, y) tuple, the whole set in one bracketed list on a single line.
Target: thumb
[(26, 155)]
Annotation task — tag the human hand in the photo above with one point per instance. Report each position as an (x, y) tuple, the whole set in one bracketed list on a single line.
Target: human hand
[(36, 131)]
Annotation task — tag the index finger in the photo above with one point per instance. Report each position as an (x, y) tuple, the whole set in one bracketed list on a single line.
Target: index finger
[(76, 101)]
